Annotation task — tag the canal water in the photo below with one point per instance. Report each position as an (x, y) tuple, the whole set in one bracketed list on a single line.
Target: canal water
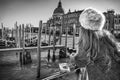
[(10, 68)]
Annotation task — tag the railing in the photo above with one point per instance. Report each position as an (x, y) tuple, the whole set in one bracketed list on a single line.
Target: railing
[(32, 48)]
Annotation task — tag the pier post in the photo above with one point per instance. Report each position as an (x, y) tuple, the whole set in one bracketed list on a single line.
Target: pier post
[(20, 36), (20, 45), (54, 42), (74, 30), (16, 34), (60, 34), (39, 50), (30, 33), (23, 38), (24, 33), (2, 31), (12, 32), (45, 34), (23, 43), (66, 40), (49, 44)]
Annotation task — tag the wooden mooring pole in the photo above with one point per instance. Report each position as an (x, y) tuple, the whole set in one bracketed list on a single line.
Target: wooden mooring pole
[(30, 33), (66, 39), (2, 31), (54, 42), (20, 36), (39, 49), (16, 34), (74, 30), (23, 38), (49, 44), (60, 34), (23, 43), (45, 34)]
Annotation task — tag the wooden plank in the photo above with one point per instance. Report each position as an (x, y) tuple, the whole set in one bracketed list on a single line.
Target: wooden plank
[(52, 76), (59, 74), (31, 48)]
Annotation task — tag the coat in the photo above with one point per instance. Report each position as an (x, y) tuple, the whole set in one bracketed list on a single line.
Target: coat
[(96, 52)]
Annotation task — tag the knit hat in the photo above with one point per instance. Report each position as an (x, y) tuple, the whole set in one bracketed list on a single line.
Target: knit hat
[(92, 19)]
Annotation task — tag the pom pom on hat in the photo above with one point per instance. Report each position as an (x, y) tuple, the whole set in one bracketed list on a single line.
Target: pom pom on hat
[(92, 19)]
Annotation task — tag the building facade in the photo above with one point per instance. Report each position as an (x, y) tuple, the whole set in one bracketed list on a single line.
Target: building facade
[(56, 19), (117, 25), (61, 20), (112, 22), (109, 25), (69, 19)]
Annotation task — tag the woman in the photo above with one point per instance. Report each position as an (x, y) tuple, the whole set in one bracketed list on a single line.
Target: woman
[(96, 56)]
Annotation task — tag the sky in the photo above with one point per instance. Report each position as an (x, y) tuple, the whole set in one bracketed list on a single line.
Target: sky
[(32, 11)]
